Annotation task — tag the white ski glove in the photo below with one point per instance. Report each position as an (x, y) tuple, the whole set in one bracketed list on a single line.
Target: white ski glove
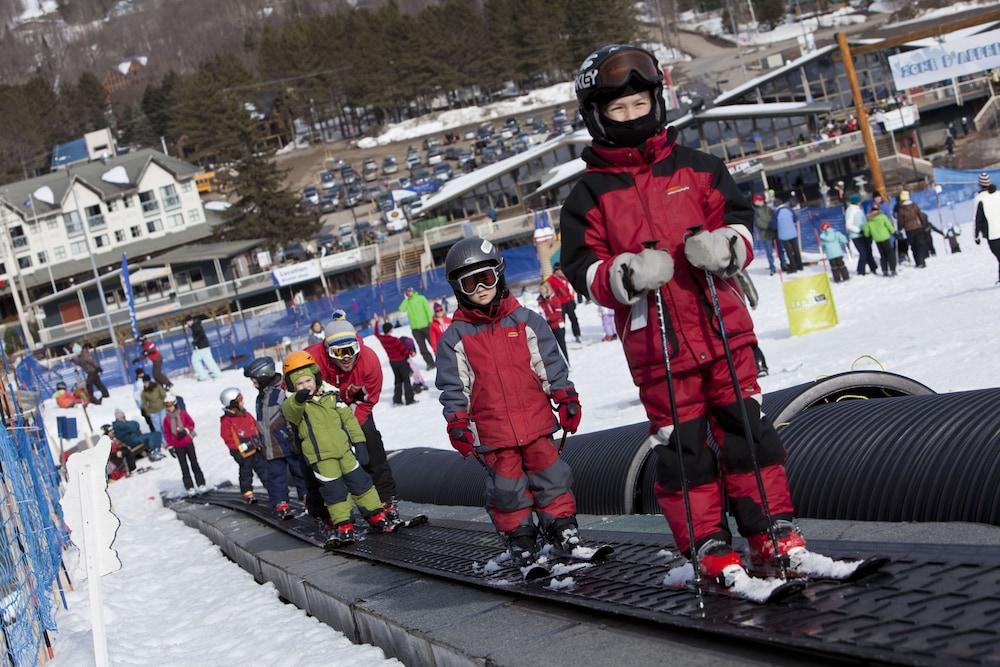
[(722, 251), (633, 274)]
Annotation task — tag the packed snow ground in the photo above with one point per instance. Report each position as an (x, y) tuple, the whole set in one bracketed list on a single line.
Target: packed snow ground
[(178, 601)]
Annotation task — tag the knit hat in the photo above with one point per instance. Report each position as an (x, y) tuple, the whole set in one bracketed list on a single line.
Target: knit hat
[(825, 225), (984, 180), (339, 331), (311, 370), (758, 198), (438, 307), (119, 413), (855, 198), (904, 195)]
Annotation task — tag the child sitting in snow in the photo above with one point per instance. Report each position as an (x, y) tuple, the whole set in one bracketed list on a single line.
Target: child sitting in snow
[(330, 436)]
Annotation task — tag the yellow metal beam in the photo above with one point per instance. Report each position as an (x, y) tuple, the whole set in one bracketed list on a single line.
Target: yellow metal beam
[(935, 31), (871, 155)]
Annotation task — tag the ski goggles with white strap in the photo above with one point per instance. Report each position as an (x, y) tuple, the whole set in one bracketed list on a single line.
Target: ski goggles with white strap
[(343, 349), (486, 277)]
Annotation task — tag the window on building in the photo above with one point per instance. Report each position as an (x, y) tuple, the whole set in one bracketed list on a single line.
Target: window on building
[(17, 237), (95, 219), (149, 204), (24, 262), (135, 231), (42, 258), (187, 186), (101, 241), (78, 247), (59, 252), (72, 222), (113, 206), (169, 195), (194, 215), (119, 235), (52, 223), (127, 201), (154, 225), (191, 279), (176, 220)]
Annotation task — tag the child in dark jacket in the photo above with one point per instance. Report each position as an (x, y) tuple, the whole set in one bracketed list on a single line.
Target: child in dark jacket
[(178, 431), (398, 355), (330, 436), (498, 368), (239, 431)]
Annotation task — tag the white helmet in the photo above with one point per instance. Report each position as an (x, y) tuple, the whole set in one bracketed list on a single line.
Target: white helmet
[(170, 398), (228, 395)]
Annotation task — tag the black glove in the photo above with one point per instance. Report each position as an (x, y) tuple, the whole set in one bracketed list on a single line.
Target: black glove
[(182, 433), (302, 395), (977, 240), (173, 452)]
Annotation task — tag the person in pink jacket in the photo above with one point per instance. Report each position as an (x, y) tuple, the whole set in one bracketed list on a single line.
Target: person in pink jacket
[(178, 431)]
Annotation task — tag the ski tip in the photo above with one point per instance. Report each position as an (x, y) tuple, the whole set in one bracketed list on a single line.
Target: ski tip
[(790, 588), (534, 572), (868, 567)]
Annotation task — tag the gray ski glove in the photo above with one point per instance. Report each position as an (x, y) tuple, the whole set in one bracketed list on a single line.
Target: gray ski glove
[(633, 274), (722, 251)]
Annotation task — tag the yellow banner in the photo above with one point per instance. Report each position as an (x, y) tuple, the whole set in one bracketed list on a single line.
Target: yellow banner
[(809, 303)]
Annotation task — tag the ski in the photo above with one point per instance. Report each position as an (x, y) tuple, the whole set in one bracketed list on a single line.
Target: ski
[(817, 567), (334, 542), (534, 571), (587, 554), (739, 585), (412, 522)]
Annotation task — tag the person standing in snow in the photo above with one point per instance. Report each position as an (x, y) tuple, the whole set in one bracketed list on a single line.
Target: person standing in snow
[(178, 431), (879, 229), (642, 188), (398, 355), (786, 222), (499, 371), (608, 324), (912, 222), (553, 313), (152, 402), (988, 221), (834, 245), (418, 312), (438, 325), (201, 353), (763, 222), (567, 299), (241, 435), (150, 351), (854, 222), (91, 369), (315, 333)]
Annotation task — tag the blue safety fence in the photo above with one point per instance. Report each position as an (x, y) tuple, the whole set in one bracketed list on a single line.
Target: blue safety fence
[(32, 538), (234, 340)]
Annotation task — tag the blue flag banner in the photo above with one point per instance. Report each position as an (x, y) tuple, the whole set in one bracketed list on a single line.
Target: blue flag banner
[(127, 288)]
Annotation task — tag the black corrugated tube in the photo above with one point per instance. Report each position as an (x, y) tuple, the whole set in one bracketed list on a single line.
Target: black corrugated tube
[(916, 458)]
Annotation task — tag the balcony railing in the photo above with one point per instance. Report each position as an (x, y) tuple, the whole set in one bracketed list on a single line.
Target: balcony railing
[(150, 207), (95, 221), (171, 202)]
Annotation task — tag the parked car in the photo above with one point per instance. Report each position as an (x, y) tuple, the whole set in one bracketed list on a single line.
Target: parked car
[(326, 180), (369, 171), (442, 171), (329, 201), (431, 142), (389, 165), (434, 155), (469, 135), (310, 195), (355, 195), (348, 175), (451, 153), (412, 162), (348, 239)]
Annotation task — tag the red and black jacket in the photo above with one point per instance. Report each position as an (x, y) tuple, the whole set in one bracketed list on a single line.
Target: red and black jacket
[(659, 192)]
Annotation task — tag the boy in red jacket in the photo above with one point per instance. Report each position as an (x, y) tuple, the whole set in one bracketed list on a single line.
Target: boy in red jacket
[(398, 355), (178, 431), (642, 189), (239, 431), (498, 368), (553, 311)]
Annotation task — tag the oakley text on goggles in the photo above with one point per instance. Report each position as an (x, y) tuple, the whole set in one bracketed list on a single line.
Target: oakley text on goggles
[(485, 277)]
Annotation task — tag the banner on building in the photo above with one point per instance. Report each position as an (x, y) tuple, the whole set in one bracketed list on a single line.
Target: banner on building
[(947, 60), (295, 273), (809, 303), (129, 297)]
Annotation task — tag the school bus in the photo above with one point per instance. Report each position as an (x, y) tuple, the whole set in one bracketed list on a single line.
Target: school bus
[(207, 182)]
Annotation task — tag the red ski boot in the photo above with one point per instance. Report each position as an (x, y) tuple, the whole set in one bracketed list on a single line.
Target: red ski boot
[(380, 523), (791, 545)]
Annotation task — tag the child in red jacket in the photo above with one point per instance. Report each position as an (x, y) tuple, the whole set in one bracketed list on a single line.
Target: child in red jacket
[(239, 431), (553, 311), (498, 368), (178, 431), (398, 354)]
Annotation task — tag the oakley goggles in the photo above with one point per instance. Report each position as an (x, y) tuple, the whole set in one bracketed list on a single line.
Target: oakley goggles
[(618, 68), (345, 349), (486, 277)]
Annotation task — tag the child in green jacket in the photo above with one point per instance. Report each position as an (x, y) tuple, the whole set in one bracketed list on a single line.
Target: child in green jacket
[(328, 431)]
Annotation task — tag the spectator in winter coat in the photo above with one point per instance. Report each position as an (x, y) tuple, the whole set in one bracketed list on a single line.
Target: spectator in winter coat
[(178, 431), (316, 334), (129, 434), (92, 370), (913, 223), (499, 367), (566, 297), (152, 402), (346, 363), (418, 311), (398, 355), (834, 245), (786, 221), (553, 313), (137, 387), (149, 351), (239, 431), (988, 220), (121, 460), (65, 398), (854, 222), (328, 431), (606, 222), (281, 451), (438, 325), (879, 229), (763, 222), (201, 354)]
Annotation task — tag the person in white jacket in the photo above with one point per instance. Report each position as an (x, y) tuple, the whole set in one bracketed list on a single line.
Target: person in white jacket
[(854, 219), (988, 221)]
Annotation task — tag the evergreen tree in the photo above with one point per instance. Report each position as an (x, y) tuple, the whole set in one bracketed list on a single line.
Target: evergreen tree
[(770, 12)]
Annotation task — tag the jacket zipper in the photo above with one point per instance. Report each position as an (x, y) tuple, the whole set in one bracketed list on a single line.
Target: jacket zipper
[(312, 434)]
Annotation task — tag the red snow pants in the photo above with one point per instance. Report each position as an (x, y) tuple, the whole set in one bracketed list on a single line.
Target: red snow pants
[(706, 404), (526, 479)]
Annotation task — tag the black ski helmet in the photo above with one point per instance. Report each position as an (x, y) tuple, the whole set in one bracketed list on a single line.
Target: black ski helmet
[(260, 368), (607, 73), (469, 254)]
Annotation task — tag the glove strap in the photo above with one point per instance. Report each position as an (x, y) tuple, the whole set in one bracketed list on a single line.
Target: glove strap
[(731, 269)]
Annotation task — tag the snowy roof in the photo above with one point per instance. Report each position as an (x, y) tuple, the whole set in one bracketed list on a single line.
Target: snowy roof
[(204, 252), (776, 72)]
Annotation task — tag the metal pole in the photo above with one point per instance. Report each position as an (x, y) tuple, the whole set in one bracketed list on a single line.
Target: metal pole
[(18, 304), (871, 155), (48, 260), (97, 279)]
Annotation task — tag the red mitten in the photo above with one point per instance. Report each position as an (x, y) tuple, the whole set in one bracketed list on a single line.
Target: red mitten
[(461, 436), (570, 412)]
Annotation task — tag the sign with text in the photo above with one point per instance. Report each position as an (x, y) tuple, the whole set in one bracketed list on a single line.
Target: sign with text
[(946, 61), (294, 273)]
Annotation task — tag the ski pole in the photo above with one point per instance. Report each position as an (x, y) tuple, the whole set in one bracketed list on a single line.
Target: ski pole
[(562, 441), (744, 418), (662, 317)]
